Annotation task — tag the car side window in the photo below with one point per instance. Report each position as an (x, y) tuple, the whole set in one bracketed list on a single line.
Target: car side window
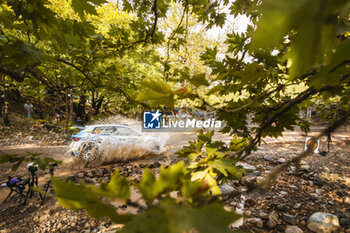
[(123, 131), (104, 130)]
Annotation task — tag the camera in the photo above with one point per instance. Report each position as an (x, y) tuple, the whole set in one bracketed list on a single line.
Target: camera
[(12, 182), (22, 185), (53, 164), (52, 167), (32, 168)]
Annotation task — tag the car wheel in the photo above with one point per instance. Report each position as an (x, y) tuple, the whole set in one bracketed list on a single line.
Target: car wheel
[(156, 148), (88, 151)]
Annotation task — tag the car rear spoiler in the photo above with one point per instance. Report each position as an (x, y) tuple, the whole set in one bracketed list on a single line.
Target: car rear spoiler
[(78, 127)]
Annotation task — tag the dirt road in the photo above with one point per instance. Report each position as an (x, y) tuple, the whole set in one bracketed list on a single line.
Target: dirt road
[(172, 141), (335, 165)]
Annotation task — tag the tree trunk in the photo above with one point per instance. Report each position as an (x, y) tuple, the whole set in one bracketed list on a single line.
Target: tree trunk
[(71, 105), (98, 105), (5, 116), (2, 103), (96, 102), (67, 113), (83, 100), (4, 109)]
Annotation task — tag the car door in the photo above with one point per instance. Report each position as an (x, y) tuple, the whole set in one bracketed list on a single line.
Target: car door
[(126, 135), (102, 133)]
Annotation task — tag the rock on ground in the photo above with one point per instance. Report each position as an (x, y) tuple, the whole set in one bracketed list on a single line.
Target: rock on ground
[(246, 166), (293, 229), (224, 189), (272, 219), (256, 221), (322, 222), (290, 219)]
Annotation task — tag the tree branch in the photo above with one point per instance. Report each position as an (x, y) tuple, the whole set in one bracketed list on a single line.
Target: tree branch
[(296, 160), (14, 74), (339, 65), (151, 33), (173, 34), (278, 88), (78, 69), (300, 98)]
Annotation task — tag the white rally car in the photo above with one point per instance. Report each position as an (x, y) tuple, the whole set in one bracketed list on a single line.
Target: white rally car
[(100, 137)]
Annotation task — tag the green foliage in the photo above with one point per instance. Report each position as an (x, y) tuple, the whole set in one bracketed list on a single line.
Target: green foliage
[(209, 160), (82, 7), (156, 92), (293, 53), (311, 25), (42, 163), (11, 158), (86, 197), (171, 214), (169, 180), (52, 47), (199, 80), (116, 188), (174, 217)]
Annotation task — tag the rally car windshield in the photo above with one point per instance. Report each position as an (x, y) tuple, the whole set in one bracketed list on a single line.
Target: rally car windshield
[(105, 130), (124, 131)]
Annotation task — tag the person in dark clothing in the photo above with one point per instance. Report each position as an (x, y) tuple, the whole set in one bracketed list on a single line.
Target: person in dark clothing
[(38, 112), (58, 115), (87, 118), (79, 121), (329, 140)]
